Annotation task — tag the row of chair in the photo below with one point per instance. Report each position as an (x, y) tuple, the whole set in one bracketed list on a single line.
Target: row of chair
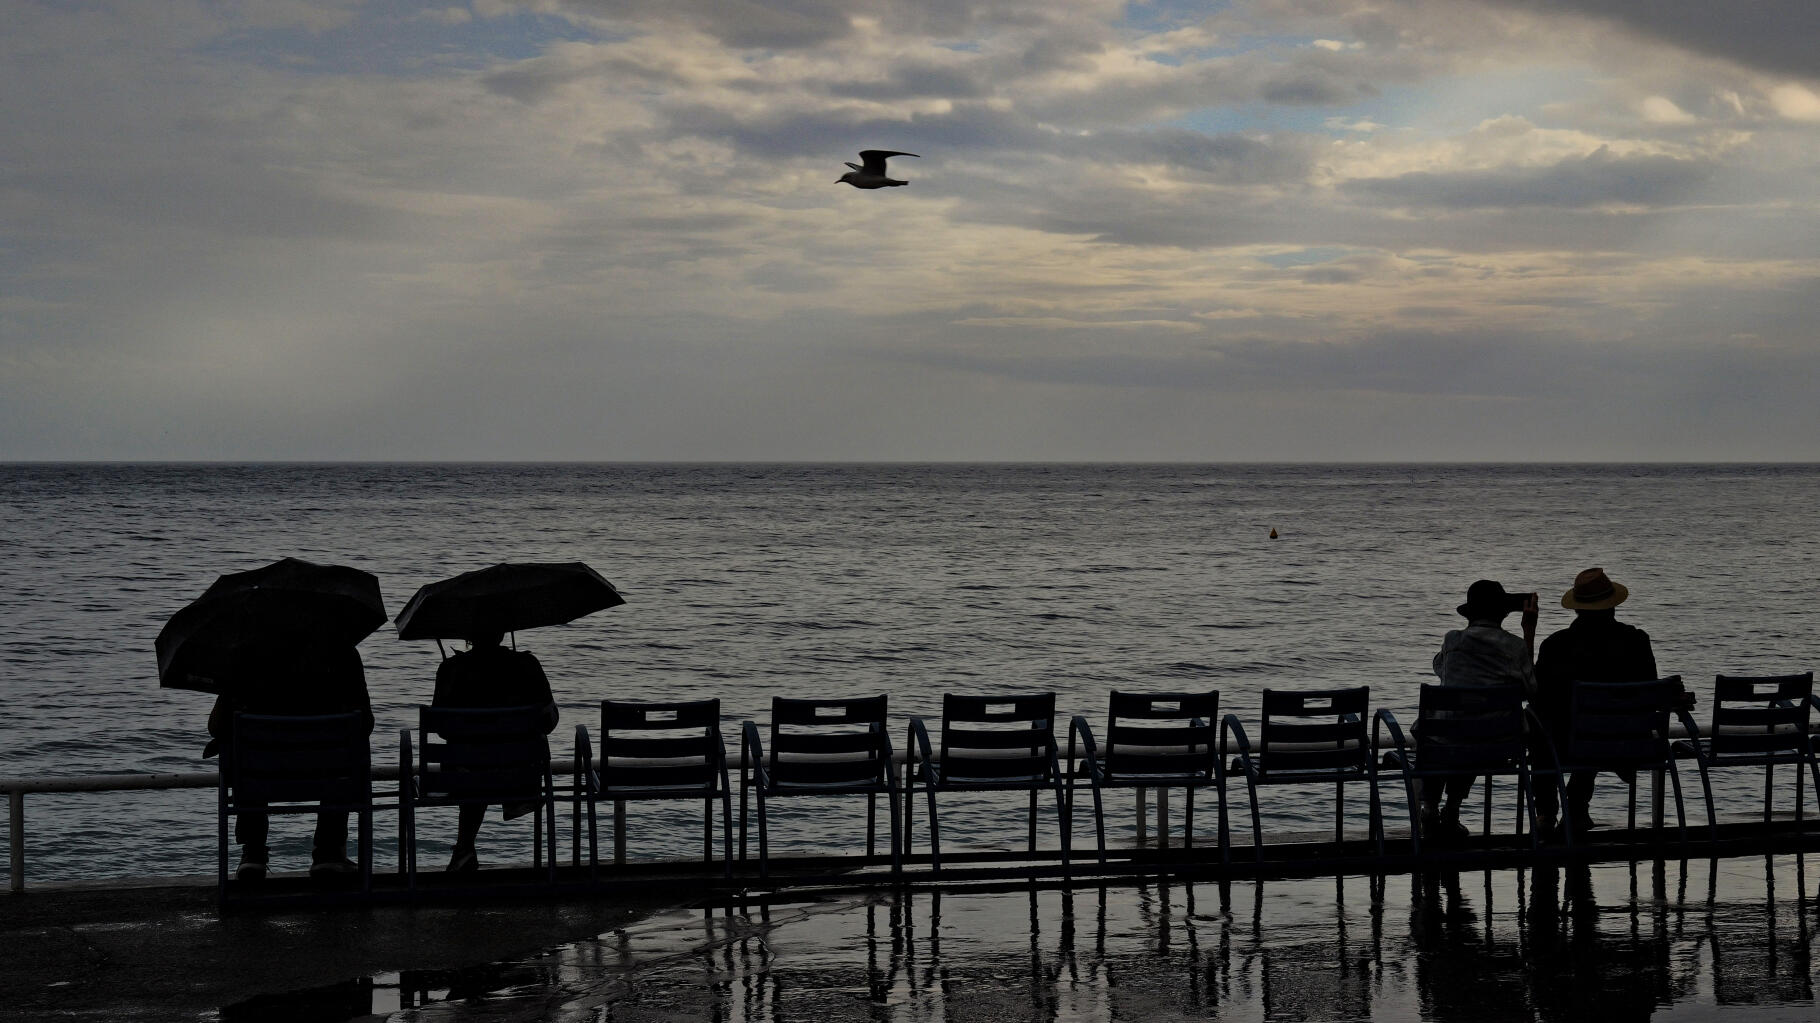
[(842, 747)]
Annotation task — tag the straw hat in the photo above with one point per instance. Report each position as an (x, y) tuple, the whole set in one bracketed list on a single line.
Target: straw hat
[(1593, 591)]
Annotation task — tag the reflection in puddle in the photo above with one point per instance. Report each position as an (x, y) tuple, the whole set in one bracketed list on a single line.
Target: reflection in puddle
[(1699, 940)]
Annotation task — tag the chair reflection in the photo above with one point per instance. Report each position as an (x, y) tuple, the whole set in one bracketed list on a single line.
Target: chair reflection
[(1761, 950)]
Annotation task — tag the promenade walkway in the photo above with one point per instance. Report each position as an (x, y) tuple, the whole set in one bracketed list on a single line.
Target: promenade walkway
[(1722, 938)]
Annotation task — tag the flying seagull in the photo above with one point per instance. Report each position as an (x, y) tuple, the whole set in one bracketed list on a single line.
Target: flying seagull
[(872, 174)]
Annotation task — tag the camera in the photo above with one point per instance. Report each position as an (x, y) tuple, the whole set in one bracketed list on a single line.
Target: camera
[(1517, 600)]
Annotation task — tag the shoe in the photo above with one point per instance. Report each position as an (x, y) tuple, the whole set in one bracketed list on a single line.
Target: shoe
[(343, 867), (1444, 828), (250, 869), (463, 862)]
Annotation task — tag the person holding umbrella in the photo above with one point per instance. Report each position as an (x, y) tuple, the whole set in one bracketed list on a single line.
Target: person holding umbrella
[(481, 607), (488, 674), (276, 640), (291, 674)]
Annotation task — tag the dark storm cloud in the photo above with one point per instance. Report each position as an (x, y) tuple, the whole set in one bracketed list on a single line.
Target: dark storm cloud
[(1594, 180), (1772, 35)]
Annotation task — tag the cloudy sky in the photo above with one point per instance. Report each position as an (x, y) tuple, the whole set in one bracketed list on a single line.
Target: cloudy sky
[(610, 229)]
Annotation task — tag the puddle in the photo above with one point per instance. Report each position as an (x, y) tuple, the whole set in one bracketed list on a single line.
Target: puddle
[(1673, 941)]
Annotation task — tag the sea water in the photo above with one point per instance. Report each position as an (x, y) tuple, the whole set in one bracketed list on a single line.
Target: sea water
[(745, 582)]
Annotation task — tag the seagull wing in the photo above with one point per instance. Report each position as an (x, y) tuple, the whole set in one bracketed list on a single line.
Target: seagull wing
[(875, 159), (856, 166)]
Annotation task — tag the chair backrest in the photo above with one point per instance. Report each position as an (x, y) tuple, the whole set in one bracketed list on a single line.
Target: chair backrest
[(998, 739), (285, 759), (468, 752), (656, 747), (1465, 727), (1150, 734), (1316, 730), (1761, 713), (835, 742), (1621, 724)]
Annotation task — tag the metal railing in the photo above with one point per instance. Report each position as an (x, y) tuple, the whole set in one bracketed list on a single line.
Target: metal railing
[(18, 788)]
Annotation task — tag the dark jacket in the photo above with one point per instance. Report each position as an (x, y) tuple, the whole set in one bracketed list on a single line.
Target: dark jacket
[(291, 677), (1595, 648), (493, 676)]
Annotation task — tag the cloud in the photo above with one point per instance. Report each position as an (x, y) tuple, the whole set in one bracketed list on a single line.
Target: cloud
[(1770, 35), (1599, 179), (1795, 103), (1202, 232)]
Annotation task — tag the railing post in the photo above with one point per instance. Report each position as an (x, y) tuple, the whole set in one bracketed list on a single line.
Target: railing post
[(16, 803)]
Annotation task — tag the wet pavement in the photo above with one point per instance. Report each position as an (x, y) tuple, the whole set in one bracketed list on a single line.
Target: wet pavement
[(1702, 939)]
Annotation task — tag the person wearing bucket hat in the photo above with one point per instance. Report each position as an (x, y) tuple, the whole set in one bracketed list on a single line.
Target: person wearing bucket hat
[(1595, 648), (1482, 654)]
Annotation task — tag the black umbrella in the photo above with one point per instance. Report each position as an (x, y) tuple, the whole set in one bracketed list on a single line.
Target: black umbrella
[(506, 598), (331, 604)]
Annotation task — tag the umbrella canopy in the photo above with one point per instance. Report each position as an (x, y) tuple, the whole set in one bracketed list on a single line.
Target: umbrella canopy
[(506, 598), (329, 604)]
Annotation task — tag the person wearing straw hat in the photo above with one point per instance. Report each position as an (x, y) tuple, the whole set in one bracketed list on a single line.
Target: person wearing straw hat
[(1595, 648)]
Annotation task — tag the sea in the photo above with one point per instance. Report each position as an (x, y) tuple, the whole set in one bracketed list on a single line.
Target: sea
[(750, 581)]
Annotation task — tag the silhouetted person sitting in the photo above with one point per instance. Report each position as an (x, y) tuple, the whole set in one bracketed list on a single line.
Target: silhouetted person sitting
[(490, 675), (291, 675), (1482, 654), (1595, 648)]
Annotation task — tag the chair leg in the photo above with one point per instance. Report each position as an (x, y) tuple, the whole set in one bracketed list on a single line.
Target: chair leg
[(407, 830), (1339, 812), (935, 835), (1631, 821), (1706, 787), (1031, 844), (1099, 820), (593, 839), (764, 837), (707, 830), (1674, 775), (1225, 835), (726, 833), (897, 837), (1526, 798), (1769, 776), (1257, 824), (1188, 817)]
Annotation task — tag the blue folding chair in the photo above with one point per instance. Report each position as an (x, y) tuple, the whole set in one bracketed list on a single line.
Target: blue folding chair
[(1759, 721), (831, 747), (275, 764), (1153, 741), (1314, 737), (657, 751), (476, 756), (1461, 731), (989, 744)]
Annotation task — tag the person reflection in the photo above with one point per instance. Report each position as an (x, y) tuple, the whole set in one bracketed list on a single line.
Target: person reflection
[(1579, 972), (1451, 946)]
